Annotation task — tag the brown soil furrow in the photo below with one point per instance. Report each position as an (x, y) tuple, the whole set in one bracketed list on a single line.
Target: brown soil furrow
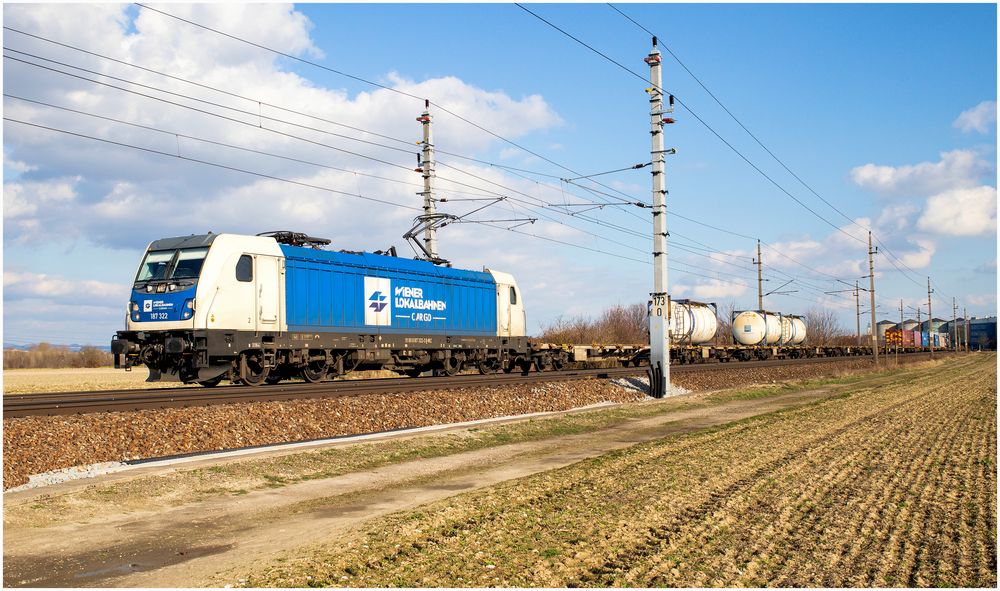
[(885, 513), (775, 514), (878, 513), (833, 467), (916, 495), (840, 461), (663, 536), (857, 521)]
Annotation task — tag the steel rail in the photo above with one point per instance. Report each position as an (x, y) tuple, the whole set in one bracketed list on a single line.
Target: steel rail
[(64, 403)]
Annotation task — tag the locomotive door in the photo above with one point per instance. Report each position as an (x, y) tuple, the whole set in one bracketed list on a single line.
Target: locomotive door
[(503, 309), (268, 292)]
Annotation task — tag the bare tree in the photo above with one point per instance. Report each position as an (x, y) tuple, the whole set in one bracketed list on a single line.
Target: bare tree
[(822, 327), (617, 325), (723, 335)]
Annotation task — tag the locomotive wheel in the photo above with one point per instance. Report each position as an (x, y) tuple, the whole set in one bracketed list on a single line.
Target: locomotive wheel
[(314, 371), (252, 371)]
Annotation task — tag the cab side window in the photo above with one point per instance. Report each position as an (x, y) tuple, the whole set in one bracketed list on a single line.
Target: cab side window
[(244, 268), (513, 296)]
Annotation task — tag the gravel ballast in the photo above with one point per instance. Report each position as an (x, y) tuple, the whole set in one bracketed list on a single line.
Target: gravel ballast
[(36, 445)]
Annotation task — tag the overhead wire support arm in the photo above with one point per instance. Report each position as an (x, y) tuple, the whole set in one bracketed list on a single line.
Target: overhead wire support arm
[(587, 176)]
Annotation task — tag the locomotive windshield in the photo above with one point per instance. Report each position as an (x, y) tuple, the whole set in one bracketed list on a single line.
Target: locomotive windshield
[(168, 265)]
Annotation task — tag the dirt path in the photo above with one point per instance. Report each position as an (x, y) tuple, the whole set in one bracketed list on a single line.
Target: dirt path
[(204, 542)]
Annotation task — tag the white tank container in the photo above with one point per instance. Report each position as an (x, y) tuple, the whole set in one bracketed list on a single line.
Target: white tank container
[(691, 322), (753, 328), (798, 331)]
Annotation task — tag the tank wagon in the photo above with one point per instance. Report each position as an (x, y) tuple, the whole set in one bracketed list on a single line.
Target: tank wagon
[(257, 309)]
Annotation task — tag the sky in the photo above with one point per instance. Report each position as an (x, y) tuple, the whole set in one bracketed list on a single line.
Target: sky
[(878, 117)]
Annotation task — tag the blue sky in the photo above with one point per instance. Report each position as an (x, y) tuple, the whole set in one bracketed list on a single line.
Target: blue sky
[(865, 103)]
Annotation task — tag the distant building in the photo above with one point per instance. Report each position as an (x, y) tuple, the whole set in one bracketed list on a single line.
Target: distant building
[(883, 326)]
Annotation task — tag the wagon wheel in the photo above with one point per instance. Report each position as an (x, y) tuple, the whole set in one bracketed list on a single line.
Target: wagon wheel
[(543, 362), (315, 371), (489, 366), (450, 366), (252, 370), (558, 363)]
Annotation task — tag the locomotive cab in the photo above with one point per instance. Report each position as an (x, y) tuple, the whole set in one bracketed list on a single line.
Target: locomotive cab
[(190, 286)]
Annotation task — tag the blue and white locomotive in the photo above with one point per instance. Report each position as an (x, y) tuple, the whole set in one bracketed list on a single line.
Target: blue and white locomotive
[(255, 309)]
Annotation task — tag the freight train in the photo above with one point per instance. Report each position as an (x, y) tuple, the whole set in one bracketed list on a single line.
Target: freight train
[(261, 309)]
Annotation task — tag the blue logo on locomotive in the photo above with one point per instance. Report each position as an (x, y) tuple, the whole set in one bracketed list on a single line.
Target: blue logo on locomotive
[(378, 301)]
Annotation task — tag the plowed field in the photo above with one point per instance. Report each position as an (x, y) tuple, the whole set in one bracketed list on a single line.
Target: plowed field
[(893, 484)]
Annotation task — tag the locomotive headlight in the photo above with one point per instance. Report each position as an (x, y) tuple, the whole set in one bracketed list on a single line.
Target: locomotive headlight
[(189, 304), (188, 309), (134, 306), (149, 288)]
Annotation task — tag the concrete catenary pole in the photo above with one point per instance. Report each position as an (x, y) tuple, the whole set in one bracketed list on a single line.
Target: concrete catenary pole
[(857, 308), (930, 318), (427, 165), (965, 317), (871, 293), (900, 343), (659, 339), (954, 325), (760, 280)]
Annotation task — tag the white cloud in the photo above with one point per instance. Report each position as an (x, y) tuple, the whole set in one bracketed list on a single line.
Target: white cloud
[(919, 258), (16, 165), (23, 199), (961, 212), (989, 267), (131, 197), (982, 118), (896, 218), (711, 290), (24, 285), (986, 299), (957, 168)]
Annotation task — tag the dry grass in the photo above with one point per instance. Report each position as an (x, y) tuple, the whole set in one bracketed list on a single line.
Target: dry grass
[(891, 485), (30, 381)]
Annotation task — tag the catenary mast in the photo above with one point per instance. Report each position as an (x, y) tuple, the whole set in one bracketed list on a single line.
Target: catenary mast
[(659, 337)]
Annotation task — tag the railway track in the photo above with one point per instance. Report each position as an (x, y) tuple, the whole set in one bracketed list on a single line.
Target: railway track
[(65, 403)]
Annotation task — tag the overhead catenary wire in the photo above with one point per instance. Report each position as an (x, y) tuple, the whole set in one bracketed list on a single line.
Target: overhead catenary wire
[(217, 114), (276, 106), (272, 105), (232, 119), (254, 114), (770, 152), (257, 101), (291, 181), (361, 79), (700, 120), (500, 166), (209, 163)]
